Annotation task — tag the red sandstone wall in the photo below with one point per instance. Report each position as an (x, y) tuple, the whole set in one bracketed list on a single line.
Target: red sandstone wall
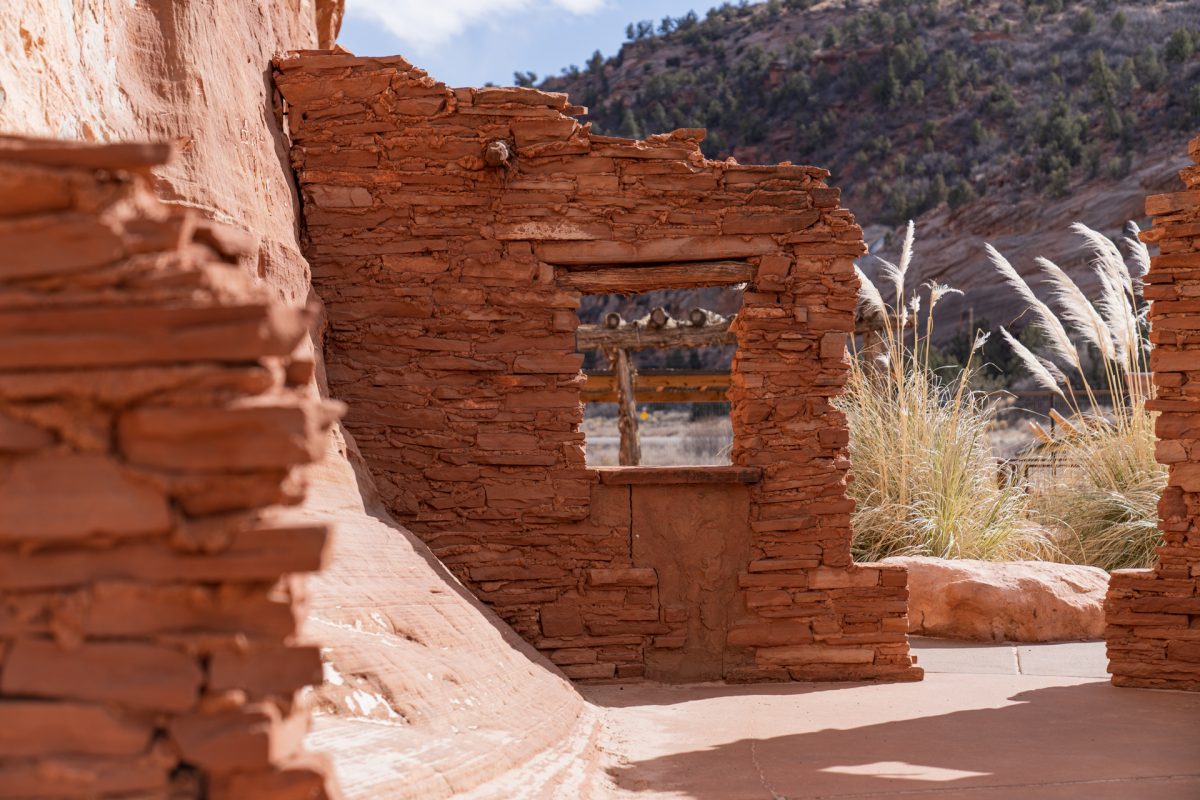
[(451, 336), (1154, 615), (150, 422), (407, 642), (191, 72)]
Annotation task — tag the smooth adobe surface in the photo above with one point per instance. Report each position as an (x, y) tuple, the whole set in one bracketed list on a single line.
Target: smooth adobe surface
[(974, 728)]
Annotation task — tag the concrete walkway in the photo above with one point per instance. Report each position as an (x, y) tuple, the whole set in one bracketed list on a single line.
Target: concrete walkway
[(990, 722)]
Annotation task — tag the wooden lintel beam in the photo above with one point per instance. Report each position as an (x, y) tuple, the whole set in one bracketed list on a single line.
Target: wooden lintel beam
[(633, 278)]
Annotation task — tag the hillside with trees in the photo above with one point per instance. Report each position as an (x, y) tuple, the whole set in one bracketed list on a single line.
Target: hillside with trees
[(912, 105), (984, 121)]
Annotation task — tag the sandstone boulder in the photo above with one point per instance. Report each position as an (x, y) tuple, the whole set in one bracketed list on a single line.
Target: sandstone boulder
[(1015, 601)]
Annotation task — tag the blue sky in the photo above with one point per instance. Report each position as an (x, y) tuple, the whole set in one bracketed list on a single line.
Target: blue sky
[(471, 42)]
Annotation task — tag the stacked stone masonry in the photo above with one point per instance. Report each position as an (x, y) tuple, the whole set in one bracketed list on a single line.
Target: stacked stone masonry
[(150, 424), (1154, 614), (445, 229)]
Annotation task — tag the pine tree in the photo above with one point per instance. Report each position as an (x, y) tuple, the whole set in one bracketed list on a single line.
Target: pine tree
[(629, 125)]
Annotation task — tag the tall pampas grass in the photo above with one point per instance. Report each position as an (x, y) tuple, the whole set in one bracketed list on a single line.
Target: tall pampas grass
[(1102, 506), (925, 480)]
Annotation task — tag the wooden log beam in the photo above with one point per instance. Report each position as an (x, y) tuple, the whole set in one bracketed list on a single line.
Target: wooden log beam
[(630, 454), (634, 278), (595, 337)]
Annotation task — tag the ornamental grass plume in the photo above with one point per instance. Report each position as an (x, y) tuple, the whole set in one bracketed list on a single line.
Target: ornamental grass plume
[(1102, 505), (925, 480)]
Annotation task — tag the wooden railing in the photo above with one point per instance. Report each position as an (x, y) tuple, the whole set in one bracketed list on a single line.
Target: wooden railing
[(617, 338), (667, 386)]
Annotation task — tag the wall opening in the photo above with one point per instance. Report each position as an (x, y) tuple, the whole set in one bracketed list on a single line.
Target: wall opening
[(658, 369)]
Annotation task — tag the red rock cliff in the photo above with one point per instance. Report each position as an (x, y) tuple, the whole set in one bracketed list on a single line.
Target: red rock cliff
[(427, 694)]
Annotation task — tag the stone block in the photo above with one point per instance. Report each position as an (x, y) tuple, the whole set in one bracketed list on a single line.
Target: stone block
[(812, 654), (623, 576), (833, 345), (17, 436), (90, 494), (576, 655), (304, 777), (770, 634), (245, 738), (224, 439), (141, 676), (590, 671), (264, 671), (54, 777), (31, 728), (829, 578)]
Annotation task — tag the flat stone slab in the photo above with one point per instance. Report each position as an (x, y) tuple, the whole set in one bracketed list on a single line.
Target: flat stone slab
[(1064, 659), (637, 476), (972, 731)]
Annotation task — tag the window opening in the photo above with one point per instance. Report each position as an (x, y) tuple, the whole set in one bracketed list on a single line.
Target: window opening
[(658, 369)]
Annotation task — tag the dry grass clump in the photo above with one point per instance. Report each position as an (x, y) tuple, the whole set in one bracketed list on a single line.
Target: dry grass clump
[(925, 480), (1103, 506)]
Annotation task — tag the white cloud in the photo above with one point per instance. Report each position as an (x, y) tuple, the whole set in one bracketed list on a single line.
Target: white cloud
[(423, 25)]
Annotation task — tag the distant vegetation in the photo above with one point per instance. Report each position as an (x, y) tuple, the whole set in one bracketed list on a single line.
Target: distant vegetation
[(910, 104)]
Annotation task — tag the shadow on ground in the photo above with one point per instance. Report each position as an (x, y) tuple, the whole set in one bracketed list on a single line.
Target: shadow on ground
[(1080, 741)]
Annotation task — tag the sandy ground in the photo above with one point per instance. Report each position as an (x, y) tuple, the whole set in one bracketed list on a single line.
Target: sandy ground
[(989, 722), (669, 437)]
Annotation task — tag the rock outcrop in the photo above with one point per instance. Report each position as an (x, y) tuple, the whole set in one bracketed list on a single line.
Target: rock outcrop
[(1015, 601), (191, 72), (427, 694)]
